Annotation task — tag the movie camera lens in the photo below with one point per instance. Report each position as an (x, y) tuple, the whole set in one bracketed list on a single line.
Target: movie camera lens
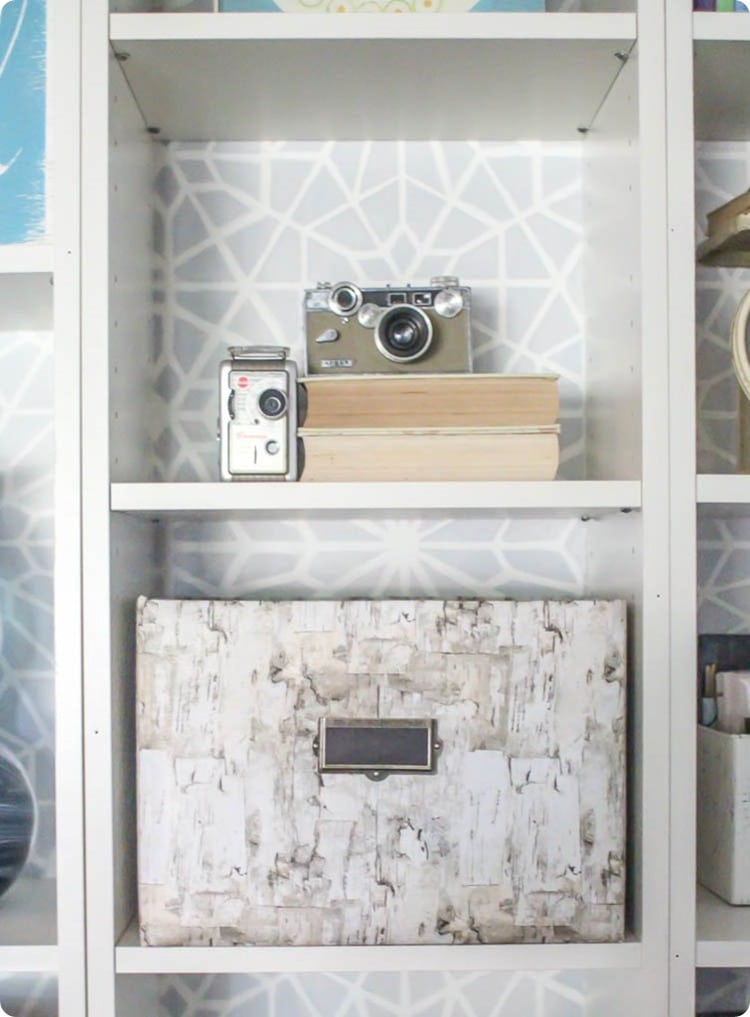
[(272, 403), (403, 333)]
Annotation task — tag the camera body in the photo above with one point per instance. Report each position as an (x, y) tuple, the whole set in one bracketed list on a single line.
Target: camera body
[(258, 414), (387, 330)]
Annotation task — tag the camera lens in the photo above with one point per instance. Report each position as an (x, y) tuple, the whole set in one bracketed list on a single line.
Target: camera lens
[(403, 333), (272, 403)]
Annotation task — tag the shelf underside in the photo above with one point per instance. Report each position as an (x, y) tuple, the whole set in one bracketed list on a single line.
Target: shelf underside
[(723, 494), (721, 81), (26, 301), (28, 931), (234, 500), (722, 932), (229, 78)]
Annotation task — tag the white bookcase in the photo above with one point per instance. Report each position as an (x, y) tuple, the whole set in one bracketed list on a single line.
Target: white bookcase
[(708, 132), (542, 136), (42, 960), (555, 161)]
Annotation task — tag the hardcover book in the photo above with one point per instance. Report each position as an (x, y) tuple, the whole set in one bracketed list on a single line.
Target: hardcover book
[(467, 453), (431, 400)]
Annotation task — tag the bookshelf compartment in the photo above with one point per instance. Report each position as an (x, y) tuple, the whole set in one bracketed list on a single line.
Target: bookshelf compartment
[(243, 228)]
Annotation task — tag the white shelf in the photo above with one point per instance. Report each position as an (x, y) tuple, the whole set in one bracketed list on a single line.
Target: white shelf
[(25, 259), (547, 498), (134, 959), (28, 926), (722, 76), (250, 76), (722, 932), (724, 494), (708, 26)]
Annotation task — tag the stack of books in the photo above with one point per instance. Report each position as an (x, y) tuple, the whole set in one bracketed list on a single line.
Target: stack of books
[(396, 427)]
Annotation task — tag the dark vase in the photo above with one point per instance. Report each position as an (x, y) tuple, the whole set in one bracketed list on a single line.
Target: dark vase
[(17, 818)]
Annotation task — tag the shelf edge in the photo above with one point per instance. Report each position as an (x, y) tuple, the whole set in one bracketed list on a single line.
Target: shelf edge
[(29, 959), (210, 497), (709, 26), (26, 259), (528, 957)]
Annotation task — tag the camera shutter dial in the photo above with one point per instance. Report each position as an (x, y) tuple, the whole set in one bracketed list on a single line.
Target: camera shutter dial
[(449, 303), (345, 299), (403, 333), (369, 315)]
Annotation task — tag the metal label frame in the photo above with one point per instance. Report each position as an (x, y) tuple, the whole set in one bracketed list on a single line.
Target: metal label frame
[(376, 770)]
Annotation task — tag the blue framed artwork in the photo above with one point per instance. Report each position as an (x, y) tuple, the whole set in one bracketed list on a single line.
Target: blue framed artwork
[(22, 120)]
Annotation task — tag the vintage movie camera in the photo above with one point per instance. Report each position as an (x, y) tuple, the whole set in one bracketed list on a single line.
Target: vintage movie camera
[(259, 411), (387, 330)]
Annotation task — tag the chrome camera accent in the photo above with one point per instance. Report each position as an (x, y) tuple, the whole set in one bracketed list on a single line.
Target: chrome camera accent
[(387, 330)]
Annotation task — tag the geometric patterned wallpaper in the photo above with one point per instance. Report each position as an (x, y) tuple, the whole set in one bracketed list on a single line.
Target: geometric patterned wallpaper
[(724, 575), (28, 995), (722, 991), (381, 557), (27, 453), (242, 229), (412, 994), (722, 171)]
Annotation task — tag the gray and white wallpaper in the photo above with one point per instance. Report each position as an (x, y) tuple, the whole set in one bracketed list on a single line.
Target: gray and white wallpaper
[(412, 994), (722, 171), (722, 991), (242, 229), (27, 453), (28, 995)]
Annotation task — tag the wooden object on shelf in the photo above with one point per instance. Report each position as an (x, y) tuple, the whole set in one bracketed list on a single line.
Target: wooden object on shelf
[(724, 814), (723, 216), (468, 453), (729, 247), (431, 400), (743, 432), (242, 840)]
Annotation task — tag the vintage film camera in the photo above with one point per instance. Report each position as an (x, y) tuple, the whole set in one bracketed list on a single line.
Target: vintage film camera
[(259, 404), (388, 330)]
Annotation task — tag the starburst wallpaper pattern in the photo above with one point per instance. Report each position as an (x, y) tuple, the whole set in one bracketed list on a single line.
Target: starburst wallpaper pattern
[(26, 571), (413, 994)]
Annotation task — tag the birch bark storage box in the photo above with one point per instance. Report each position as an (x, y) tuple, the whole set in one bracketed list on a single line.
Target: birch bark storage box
[(501, 820), (723, 846)]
